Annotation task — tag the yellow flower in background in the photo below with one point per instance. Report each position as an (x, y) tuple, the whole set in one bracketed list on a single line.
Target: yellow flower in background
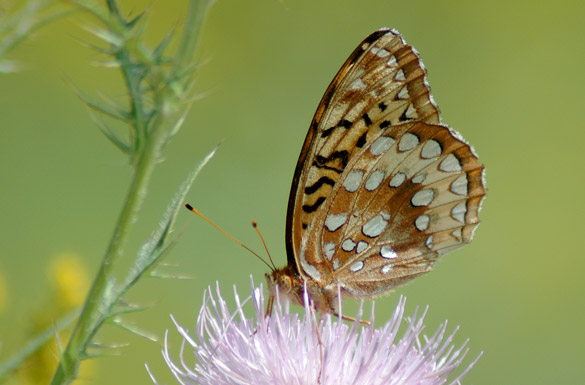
[(68, 283), (69, 280)]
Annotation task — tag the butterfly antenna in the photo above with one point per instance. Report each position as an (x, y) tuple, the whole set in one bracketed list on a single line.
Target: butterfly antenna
[(255, 226), (190, 208)]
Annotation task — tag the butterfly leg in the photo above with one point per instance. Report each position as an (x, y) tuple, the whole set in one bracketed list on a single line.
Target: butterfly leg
[(270, 304), (321, 347), (329, 302), (351, 319)]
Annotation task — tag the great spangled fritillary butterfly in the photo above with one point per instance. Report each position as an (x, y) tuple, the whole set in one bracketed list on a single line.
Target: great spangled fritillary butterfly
[(382, 188)]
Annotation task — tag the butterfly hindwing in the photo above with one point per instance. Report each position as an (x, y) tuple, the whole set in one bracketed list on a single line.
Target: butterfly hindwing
[(411, 195)]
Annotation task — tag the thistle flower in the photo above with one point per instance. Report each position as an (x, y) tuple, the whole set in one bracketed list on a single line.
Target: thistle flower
[(284, 348)]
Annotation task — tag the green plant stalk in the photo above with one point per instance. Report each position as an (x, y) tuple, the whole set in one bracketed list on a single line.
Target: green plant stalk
[(151, 136), (197, 12), (97, 307)]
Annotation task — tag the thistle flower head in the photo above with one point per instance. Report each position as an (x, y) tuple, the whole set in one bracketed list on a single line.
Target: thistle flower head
[(228, 348)]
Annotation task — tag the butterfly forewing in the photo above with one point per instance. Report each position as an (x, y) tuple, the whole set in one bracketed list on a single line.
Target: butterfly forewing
[(381, 188)]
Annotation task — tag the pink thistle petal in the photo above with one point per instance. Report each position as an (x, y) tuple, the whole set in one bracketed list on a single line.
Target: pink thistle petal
[(231, 349)]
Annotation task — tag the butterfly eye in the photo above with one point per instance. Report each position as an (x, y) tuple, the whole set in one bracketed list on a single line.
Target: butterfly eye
[(284, 283)]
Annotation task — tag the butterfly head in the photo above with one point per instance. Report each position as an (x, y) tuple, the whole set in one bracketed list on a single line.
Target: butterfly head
[(288, 284), (281, 280)]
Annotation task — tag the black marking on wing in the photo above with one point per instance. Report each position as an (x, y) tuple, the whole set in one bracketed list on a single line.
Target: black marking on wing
[(358, 52), (317, 185), (382, 106), (327, 132), (385, 123), (403, 117), (304, 225), (362, 140), (342, 155), (314, 206), (314, 126), (367, 120), (327, 167), (344, 123)]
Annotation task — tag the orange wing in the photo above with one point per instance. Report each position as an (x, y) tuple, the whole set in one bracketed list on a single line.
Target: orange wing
[(381, 187)]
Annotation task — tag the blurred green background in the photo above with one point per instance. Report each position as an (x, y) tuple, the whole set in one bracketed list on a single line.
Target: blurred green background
[(508, 75)]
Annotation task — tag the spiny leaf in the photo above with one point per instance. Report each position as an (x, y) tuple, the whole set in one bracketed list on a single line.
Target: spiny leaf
[(157, 274), (126, 308), (121, 144), (105, 35), (96, 345), (163, 45), (134, 21), (112, 110), (112, 63), (178, 124), (135, 330)]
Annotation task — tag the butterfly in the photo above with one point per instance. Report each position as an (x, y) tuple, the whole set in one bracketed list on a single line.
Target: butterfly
[(382, 187)]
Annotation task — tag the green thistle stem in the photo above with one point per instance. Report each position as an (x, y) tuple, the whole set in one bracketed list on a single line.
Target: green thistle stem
[(151, 134), (101, 298)]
